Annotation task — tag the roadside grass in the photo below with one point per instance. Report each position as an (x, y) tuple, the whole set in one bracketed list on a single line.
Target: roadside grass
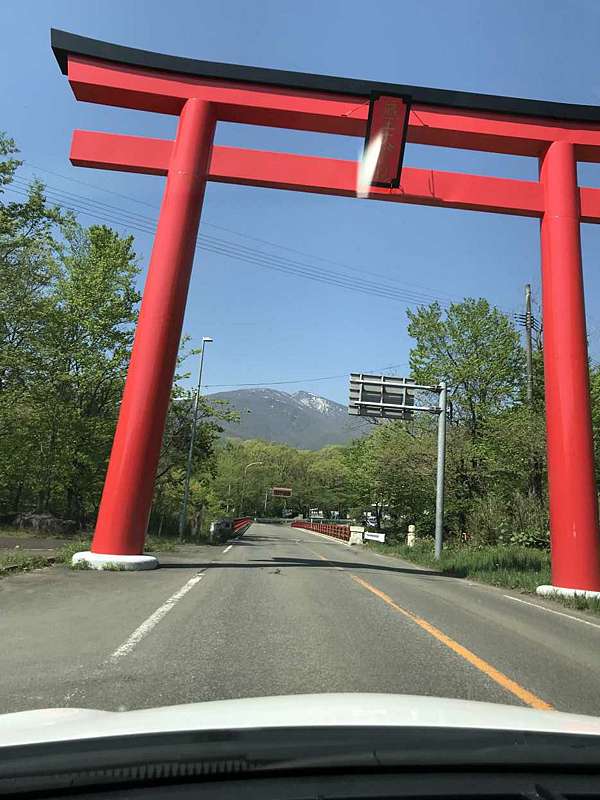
[(12, 561), (581, 604), (154, 544), (66, 553), (511, 567)]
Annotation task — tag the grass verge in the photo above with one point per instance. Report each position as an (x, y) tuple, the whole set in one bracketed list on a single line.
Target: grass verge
[(12, 561), (519, 568)]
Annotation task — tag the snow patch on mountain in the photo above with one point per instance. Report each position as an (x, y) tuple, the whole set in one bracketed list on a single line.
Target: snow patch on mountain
[(320, 404)]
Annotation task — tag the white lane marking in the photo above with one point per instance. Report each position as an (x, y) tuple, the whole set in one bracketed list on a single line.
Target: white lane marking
[(552, 611), (228, 548), (153, 620)]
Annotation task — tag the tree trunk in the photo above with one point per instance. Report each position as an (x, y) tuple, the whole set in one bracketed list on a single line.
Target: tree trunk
[(17, 500)]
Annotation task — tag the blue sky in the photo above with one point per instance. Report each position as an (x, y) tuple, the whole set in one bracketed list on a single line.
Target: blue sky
[(270, 326)]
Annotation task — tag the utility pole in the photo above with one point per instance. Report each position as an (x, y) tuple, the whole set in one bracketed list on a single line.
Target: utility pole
[(188, 471), (266, 498), (441, 465), (528, 346)]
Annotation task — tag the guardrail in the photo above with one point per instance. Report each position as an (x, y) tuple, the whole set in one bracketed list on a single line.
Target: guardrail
[(240, 524), (337, 531)]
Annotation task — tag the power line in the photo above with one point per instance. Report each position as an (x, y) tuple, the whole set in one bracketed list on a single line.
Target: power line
[(383, 370), (208, 246), (120, 217), (130, 220), (236, 250), (361, 270)]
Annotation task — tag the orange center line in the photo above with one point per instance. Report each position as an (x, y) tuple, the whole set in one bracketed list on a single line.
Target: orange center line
[(527, 697)]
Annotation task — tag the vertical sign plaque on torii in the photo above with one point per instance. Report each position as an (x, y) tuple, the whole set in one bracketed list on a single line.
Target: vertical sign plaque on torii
[(388, 119)]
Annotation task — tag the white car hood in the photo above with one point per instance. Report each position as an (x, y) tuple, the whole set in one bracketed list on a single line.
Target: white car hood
[(311, 710)]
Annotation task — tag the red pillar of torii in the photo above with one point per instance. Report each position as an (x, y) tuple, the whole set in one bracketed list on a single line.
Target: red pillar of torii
[(203, 93)]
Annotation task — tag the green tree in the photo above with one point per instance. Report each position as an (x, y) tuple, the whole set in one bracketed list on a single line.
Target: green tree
[(8, 165), (29, 269), (474, 348), (392, 471), (90, 338)]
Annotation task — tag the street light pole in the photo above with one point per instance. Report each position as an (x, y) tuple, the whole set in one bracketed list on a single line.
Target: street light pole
[(188, 471), (251, 464), (441, 464)]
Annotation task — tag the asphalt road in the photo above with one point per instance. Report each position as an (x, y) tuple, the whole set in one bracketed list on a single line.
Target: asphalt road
[(283, 611)]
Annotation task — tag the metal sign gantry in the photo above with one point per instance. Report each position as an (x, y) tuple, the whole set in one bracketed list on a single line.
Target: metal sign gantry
[(393, 397)]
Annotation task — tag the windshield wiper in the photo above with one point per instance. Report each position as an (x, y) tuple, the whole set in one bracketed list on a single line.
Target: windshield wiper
[(209, 755)]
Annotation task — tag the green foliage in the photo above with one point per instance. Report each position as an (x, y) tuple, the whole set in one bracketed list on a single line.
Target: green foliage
[(66, 367), (68, 305), (8, 166), (475, 349), (595, 400), (520, 520), (66, 553), (13, 561), (317, 479), (393, 470), (160, 544)]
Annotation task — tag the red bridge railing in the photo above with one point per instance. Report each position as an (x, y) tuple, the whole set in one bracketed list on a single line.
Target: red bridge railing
[(241, 524), (337, 531)]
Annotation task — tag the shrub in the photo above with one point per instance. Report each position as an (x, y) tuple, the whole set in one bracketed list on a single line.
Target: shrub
[(530, 523), (521, 520), (488, 521)]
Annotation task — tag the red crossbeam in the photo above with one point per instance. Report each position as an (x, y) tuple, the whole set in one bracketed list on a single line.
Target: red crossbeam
[(150, 90), (324, 176)]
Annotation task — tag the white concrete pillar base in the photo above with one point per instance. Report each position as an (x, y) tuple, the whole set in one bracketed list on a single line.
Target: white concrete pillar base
[(105, 561), (549, 591)]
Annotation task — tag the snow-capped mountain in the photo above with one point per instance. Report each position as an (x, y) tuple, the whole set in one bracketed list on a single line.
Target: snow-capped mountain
[(301, 419)]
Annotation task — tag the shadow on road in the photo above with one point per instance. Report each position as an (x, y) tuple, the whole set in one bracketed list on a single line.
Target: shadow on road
[(297, 562)]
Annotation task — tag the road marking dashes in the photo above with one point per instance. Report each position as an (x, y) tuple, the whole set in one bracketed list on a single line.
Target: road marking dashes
[(153, 620)]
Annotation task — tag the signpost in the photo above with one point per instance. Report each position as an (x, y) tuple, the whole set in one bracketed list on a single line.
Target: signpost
[(391, 397), (374, 536), (382, 396), (281, 491), (277, 491)]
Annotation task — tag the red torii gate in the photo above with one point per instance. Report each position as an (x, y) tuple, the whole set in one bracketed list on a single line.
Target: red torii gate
[(203, 93)]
